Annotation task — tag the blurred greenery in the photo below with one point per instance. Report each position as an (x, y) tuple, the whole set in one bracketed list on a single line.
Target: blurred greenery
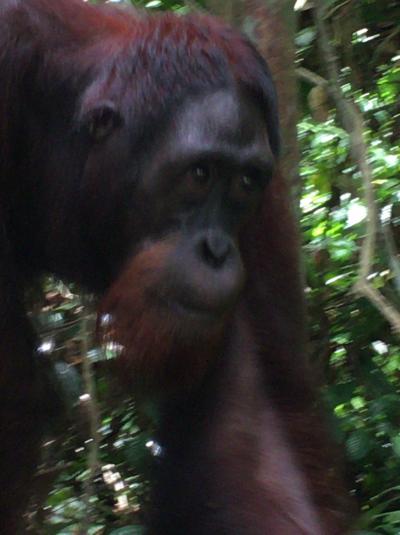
[(354, 351)]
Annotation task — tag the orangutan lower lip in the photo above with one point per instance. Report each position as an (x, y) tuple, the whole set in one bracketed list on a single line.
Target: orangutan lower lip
[(184, 307), (192, 309)]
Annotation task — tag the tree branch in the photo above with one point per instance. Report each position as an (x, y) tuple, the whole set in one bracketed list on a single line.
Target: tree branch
[(94, 423), (352, 122), (310, 76)]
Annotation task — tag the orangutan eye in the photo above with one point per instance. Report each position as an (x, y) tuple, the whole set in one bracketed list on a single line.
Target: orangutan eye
[(248, 183), (246, 187), (196, 182), (201, 174)]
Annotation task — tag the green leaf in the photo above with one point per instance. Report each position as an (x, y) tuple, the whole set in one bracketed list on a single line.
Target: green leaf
[(396, 445), (128, 530), (358, 445)]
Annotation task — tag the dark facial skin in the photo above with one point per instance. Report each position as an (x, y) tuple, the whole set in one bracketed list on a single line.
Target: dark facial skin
[(194, 187), (212, 167), (203, 179)]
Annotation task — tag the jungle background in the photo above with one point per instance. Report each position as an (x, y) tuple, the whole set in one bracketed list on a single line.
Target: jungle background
[(337, 68)]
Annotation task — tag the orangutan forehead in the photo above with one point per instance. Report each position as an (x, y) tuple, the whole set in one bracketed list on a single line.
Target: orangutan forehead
[(217, 120)]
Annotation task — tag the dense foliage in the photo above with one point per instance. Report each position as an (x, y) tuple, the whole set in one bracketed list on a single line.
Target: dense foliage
[(353, 347)]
